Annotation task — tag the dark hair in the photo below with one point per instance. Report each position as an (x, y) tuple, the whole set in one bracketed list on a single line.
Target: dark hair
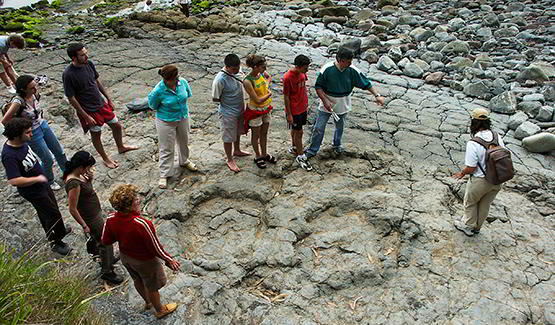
[(301, 60), (254, 60), (16, 126), (73, 48), (79, 159), (18, 41), (168, 72), (344, 54), (478, 125), (21, 84), (232, 60)]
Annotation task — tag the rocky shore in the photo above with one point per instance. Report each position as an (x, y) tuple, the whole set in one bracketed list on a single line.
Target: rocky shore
[(365, 238)]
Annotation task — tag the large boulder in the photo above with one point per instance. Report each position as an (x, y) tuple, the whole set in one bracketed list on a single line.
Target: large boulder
[(351, 43), (516, 120), (333, 11), (456, 47), (532, 108), (541, 142), (532, 73), (545, 114), (504, 103), (526, 129), (435, 78), (413, 70), (477, 89), (386, 64)]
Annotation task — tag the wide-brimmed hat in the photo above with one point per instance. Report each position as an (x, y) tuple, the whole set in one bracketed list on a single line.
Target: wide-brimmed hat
[(480, 114)]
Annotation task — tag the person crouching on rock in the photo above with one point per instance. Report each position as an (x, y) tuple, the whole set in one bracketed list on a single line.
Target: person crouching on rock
[(24, 172), (84, 206), (140, 248), (169, 100), (258, 113)]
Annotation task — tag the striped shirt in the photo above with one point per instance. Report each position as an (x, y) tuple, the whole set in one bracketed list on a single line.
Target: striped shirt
[(136, 236)]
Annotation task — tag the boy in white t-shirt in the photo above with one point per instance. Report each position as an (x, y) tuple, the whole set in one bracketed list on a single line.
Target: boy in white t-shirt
[(7, 72), (479, 192)]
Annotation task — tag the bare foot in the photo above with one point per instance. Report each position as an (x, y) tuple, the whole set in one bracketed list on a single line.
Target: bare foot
[(241, 153), (233, 166), (111, 163), (125, 149)]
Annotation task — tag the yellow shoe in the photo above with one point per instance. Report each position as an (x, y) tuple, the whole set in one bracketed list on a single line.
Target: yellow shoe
[(190, 166), (166, 310), (163, 182)]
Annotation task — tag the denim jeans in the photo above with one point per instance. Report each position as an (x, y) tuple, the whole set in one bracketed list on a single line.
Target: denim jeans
[(318, 130), (44, 143)]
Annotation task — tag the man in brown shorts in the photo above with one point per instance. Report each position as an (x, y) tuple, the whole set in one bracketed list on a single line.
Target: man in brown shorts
[(84, 92)]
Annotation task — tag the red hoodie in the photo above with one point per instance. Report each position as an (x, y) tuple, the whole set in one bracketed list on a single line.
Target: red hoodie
[(136, 236)]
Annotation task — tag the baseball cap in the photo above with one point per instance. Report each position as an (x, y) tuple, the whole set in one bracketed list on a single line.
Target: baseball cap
[(480, 114)]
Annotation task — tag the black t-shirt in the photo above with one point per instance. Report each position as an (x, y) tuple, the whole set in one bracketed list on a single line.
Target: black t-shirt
[(22, 162), (81, 83), (88, 203)]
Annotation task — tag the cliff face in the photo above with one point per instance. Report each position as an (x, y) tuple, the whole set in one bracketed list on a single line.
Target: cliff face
[(365, 238)]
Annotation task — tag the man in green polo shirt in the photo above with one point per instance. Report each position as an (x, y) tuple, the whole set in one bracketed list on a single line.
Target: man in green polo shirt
[(334, 84)]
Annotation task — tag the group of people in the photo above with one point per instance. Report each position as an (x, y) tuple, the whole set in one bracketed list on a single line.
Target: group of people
[(27, 154)]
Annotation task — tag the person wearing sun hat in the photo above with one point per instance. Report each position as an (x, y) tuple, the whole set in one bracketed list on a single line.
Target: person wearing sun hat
[(479, 193)]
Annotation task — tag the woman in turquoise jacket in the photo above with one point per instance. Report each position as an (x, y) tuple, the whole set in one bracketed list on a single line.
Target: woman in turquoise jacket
[(169, 100)]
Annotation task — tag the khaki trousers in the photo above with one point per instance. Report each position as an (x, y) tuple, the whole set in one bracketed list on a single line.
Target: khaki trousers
[(170, 133), (478, 197)]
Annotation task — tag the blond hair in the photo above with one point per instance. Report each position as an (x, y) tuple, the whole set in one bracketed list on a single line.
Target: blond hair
[(122, 197)]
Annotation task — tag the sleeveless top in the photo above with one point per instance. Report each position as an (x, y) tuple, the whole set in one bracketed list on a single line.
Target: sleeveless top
[(261, 89)]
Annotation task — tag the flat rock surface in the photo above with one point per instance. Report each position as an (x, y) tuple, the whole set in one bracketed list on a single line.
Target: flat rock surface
[(365, 238)]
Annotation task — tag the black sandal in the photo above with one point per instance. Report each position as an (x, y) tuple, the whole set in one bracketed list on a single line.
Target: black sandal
[(260, 163), (271, 159)]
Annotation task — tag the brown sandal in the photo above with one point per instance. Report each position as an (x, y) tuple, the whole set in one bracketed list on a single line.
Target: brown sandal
[(167, 309)]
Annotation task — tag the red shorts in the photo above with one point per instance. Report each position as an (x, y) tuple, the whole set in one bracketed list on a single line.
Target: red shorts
[(104, 115)]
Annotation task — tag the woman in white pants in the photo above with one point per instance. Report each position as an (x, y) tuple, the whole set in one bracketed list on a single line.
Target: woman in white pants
[(169, 100)]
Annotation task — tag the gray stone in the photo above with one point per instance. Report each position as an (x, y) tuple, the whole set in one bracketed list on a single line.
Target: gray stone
[(410, 20), (541, 142), (352, 43), (334, 19), (413, 70), (383, 3), (504, 103), (545, 114), (395, 53), (532, 108), (491, 20), (456, 47), (477, 89), (506, 32), (490, 45), (533, 73), (499, 85), (370, 41), (370, 56), (333, 11), (420, 34), (386, 64), (422, 64), (430, 56), (305, 12), (401, 64), (548, 92), (455, 24), (365, 25), (436, 65), (483, 61), (533, 97), (484, 33), (526, 129), (516, 120)]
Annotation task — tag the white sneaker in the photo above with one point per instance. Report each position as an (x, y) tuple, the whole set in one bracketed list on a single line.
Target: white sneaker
[(11, 90), (54, 186), (163, 182), (303, 162), (292, 150)]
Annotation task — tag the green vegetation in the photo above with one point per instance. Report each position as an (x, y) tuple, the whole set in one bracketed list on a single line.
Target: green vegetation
[(112, 21), (25, 21), (33, 290), (55, 4), (199, 6), (76, 29)]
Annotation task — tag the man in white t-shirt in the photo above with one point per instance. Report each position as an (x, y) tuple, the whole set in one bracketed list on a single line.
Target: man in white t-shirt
[(227, 91), (479, 193)]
